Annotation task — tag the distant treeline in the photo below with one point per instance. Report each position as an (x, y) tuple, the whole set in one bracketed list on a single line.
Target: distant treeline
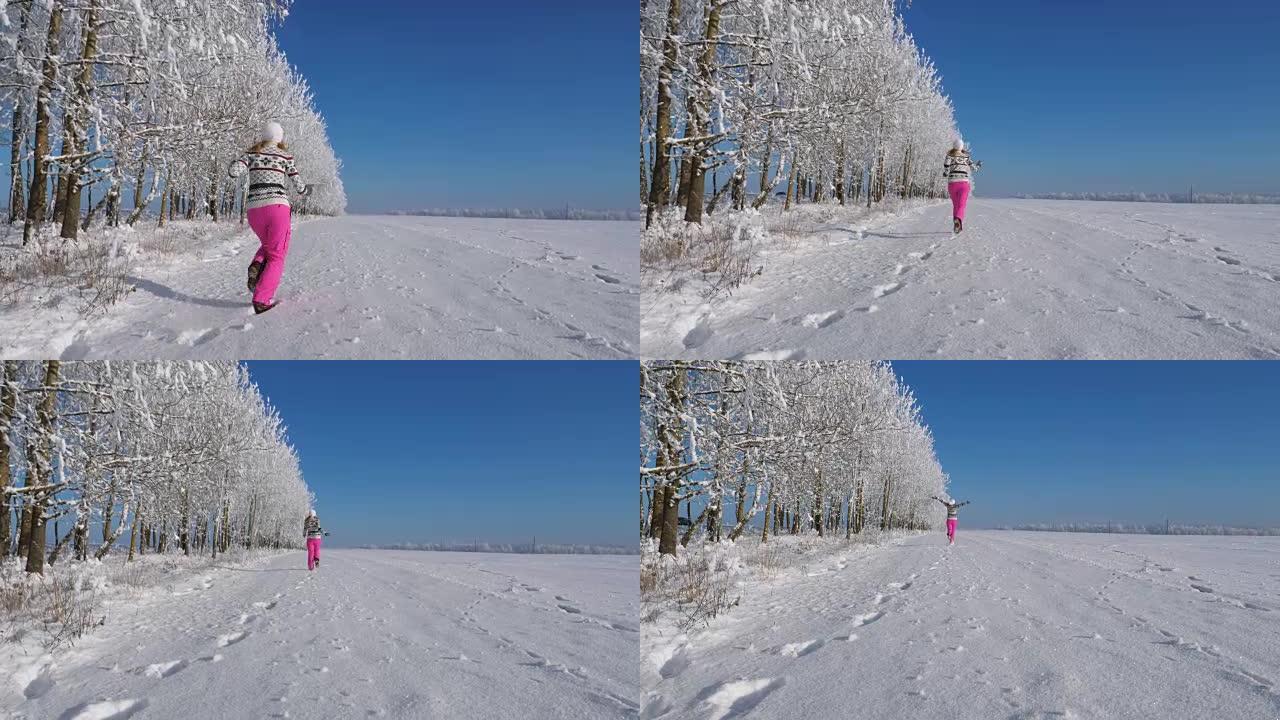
[(526, 548), (1187, 197), (1152, 529), (563, 213)]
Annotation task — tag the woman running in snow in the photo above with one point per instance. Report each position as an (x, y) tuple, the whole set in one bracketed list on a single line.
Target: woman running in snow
[(952, 519), (269, 167), (311, 528), (957, 168)]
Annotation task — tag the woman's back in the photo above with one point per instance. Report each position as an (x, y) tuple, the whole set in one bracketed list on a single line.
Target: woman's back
[(957, 167)]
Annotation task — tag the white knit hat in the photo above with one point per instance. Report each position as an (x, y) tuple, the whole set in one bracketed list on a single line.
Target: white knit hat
[(272, 132), (958, 144), (310, 513)]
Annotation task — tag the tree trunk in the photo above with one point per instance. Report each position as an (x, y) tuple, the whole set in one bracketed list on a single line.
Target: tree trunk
[(906, 165), (38, 197), (644, 176), (860, 508), (18, 136), (213, 190), (817, 506), (76, 123), (884, 504), (840, 172), (672, 436), (768, 505), (660, 187), (8, 408), (766, 188), (700, 116), (133, 533), (693, 525), (42, 469), (791, 185), (185, 534), (59, 543)]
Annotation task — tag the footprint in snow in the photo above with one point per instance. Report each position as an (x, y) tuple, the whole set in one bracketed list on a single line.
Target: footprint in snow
[(821, 320), (40, 685), (105, 710), (165, 669), (699, 335), (232, 638), (736, 698), (800, 649), (867, 618), (192, 338), (887, 289)]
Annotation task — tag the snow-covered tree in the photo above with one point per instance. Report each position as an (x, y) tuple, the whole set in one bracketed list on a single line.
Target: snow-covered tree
[(113, 105), (787, 447), (831, 99), (185, 456)]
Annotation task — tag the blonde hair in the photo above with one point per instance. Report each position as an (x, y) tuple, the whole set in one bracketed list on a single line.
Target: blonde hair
[(264, 144)]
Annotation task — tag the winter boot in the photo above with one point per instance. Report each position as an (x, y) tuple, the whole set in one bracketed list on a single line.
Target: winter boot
[(255, 269), (259, 308), (957, 225)]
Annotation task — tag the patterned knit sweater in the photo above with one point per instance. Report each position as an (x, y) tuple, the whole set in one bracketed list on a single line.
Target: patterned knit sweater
[(311, 526), (269, 172), (958, 167)]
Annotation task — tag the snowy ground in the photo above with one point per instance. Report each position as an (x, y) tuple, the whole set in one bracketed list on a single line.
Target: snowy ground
[(373, 633), (1026, 279), (369, 287), (1002, 625)]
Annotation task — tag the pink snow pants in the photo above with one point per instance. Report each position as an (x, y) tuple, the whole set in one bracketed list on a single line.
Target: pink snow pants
[(313, 550), (951, 529), (959, 192), (271, 224)]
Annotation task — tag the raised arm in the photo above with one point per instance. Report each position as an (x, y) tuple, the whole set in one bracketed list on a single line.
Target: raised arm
[(966, 502), (935, 497)]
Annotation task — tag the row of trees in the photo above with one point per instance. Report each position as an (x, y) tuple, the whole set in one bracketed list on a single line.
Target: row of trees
[(831, 448), (113, 105), (831, 98), (173, 456)]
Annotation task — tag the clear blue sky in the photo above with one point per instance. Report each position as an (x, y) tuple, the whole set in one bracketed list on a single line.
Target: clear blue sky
[(454, 451), (1092, 95), (506, 103), (1102, 441)]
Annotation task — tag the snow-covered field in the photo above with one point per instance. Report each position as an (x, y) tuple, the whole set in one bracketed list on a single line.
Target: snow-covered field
[(1002, 625), (372, 633), (1026, 279), (368, 287)]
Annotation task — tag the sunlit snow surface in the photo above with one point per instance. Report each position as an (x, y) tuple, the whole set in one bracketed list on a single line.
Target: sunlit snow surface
[(372, 633), (375, 287), (1028, 279), (1000, 625)]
